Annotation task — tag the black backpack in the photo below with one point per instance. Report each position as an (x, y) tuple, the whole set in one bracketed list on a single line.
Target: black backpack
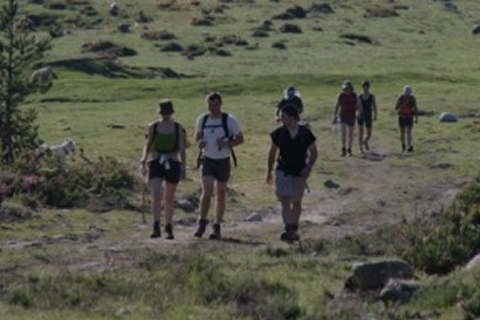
[(227, 134)]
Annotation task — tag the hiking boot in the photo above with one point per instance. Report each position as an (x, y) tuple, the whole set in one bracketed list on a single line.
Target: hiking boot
[(349, 151), (344, 152), (169, 231), (410, 149), (156, 230), (289, 237), (289, 234), (296, 237), (202, 225), (216, 234), (403, 147)]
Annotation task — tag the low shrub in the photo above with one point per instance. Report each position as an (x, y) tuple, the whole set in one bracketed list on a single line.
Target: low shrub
[(57, 183)]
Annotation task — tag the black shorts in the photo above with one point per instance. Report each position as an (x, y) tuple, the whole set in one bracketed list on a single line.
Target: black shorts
[(405, 122), (158, 170), (348, 121), (367, 122), (217, 168)]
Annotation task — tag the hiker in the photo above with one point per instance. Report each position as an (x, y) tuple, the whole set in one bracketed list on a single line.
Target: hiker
[(348, 107), (164, 158), (217, 133), (297, 153), (368, 115), (290, 96), (406, 108)]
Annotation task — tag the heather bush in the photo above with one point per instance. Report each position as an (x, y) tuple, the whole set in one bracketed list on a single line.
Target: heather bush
[(56, 183)]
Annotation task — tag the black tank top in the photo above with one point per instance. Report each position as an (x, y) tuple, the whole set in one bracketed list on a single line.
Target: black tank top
[(366, 105)]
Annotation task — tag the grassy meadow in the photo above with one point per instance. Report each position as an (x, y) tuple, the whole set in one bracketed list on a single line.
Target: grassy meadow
[(75, 264)]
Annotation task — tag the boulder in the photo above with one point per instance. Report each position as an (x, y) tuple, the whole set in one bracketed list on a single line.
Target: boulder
[(375, 275), (398, 291), (474, 263), (476, 29), (331, 184), (447, 117)]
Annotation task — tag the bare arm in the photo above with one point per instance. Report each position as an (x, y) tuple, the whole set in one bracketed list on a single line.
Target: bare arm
[(374, 107), (181, 151), (149, 143), (335, 113), (359, 107), (237, 140), (397, 104), (415, 109), (272, 153), (312, 158)]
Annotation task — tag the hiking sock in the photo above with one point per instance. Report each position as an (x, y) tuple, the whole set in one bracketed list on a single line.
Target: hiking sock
[(349, 151), (403, 147), (156, 230), (202, 225), (169, 231), (216, 234), (344, 152)]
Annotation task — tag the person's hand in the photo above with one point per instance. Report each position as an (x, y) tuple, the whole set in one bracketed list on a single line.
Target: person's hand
[(334, 121), (416, 120), (305, 172), (201, 144), (221, 143), (269, 179)]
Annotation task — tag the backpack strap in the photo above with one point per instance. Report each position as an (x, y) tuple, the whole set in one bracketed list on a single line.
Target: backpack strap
[(204, 123), (227, 134), (177, 136), (204, 120)]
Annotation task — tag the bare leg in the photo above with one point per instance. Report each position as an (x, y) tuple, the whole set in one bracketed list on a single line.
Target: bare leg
[(369, 134), (296, 212), (402, 138), (156, 185), (287, 214), (170, 189), (360, 137), (350, 130), (207, 192), (221, 192), (409, 136), (344, 135)]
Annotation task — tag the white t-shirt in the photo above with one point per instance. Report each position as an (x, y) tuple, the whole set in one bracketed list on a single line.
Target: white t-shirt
[(213, 131)]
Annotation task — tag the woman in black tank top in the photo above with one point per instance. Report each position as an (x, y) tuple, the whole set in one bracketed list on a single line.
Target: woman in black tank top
[(368, 115)]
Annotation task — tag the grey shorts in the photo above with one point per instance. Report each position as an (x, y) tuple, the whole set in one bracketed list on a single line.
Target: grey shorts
[(289, 186), (217, 168)]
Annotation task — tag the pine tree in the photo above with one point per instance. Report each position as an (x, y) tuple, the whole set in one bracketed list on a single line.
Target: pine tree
[(20, 53)]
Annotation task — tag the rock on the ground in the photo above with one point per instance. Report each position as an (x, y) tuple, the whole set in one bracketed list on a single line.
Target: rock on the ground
[(447, 117), (398, 291), (254, 217), (375, 275)]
